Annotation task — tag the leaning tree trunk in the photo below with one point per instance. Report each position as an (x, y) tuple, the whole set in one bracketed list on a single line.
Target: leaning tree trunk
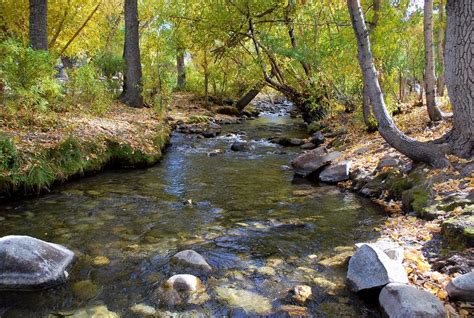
[(415, 150), (39, 24), (459, 74), (366, 110), (440, 49), (430, 78), (132, 87), (180, 67), (249, 96)]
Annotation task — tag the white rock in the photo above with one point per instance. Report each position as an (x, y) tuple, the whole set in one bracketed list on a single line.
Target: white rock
[(392, 249), (184, 282), (370, 268), (191, 259)]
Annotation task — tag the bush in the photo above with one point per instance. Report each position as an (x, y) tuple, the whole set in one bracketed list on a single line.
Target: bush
[(110, 65), (29, 77), (86, 89)]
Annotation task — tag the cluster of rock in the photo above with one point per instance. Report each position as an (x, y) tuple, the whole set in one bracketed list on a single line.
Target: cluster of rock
[(377, 268)]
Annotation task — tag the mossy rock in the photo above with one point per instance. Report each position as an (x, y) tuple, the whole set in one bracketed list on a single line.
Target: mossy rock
[(228, 110), (459, 231), (417, 200), (86, 290), (197, 119)]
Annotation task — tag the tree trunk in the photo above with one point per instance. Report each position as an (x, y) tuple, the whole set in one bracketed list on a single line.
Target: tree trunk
[(249, 96), (440, 48), (39, 24), (132, 86), (415, 150), (366, 110), (430, 78), (180, 67), (459, 74), (206, 79)]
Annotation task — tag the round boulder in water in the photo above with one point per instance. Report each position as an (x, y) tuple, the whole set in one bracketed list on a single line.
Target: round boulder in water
[(27, 263), (192, 260)]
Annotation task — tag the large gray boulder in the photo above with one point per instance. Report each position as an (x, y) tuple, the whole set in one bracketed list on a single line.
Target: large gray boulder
[(462, 287), (336, 172), (403, 301), (310, 161), (192, 260), (393, 250), (27, 263), (370, 268)]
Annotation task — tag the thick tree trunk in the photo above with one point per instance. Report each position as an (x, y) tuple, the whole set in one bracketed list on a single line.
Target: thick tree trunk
[(430, 78), (180, 67), (459, 74), (440, 49), (249, 96), (367, 112), (39, 24), (132, 87), (415, 150)]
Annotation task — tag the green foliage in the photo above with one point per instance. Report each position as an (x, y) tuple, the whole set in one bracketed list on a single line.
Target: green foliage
[(29, 75), (110, 65), (85, 88)]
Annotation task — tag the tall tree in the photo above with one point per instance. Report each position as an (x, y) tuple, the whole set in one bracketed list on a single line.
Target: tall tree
[(39, 24), (181, 69), (415, 150), (440, 48), (459, 75), (132, 86), (366, 111), (430, 78)]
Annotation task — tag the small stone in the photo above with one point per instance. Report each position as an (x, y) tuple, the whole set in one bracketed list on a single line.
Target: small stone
[(143, 309), (293, 311), (462, 287), (266, 270), (403, 301), (184, 282), (370, 268), (191, 259), (101, 261), (301, 293)]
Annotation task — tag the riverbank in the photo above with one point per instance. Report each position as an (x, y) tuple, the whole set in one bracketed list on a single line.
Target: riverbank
[(431, 210), (39, 150)]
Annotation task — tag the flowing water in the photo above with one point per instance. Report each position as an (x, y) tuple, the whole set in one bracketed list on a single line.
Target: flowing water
[(261, 230)]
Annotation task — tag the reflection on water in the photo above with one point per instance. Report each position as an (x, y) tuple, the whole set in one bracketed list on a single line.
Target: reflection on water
[(261, 231)]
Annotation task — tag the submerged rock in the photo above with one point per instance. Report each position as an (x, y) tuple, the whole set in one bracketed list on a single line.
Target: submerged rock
[(29, 263), (143, 309), (462, 287), (310, 161), (301, 293), (336, 173), (100, 311), (184, 282), (191, 259), (370, 268), (86, 290), (250, 302), (403, 301)]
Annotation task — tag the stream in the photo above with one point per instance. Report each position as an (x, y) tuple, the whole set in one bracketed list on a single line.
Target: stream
[(262, 231)]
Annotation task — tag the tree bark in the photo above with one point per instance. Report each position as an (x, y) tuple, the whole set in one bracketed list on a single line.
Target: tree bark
[(430, 78), (39, 24), (180, 67), (249, 96), (366, 111), (415, 150), (459, 74), (132, 87), (440, 49)]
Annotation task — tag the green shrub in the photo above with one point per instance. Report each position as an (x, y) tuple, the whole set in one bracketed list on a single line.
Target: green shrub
[(29, 75), (85, 88), (110, 65)]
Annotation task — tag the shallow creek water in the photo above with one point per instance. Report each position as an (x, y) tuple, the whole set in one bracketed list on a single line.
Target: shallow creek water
[(260, 229)]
